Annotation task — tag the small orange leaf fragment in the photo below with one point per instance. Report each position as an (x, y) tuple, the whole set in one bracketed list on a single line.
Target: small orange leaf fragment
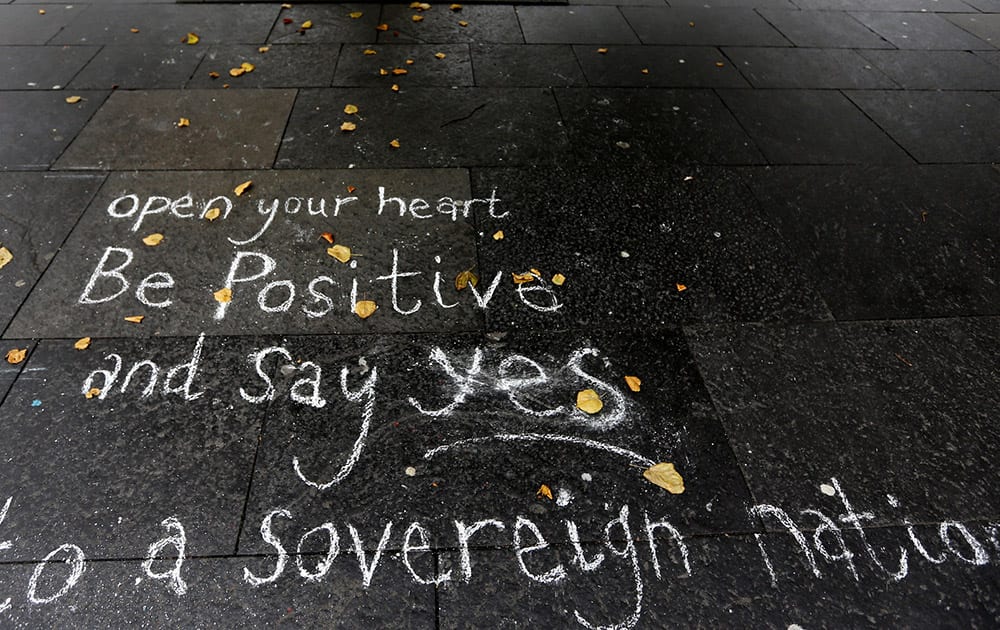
[(348, 126), (466, 278), (455, 7), (409, 62), (588, 401), (340, 252), (41, 12), (522, 278), (681, 287), (558, 279), (417, 18), (440, 55), (236, 72), (350, 109), (719, 64), (263, 49), (634, 383), (213, 75), (16, 355), (5, 256), (247, 66), (327, 236), (602, 51), (394, 88), (382, 27), (73, 100), (369, 51), (213, 214), (223, 295), (355, 14), (382, 72), (394, 144), (399, 71), (134, 30), (645, 71), (286, 5), (666, 476), (242, 188), (93, 392), (307, 24), (544, 491), (82, 343), (191, 39), (135, 319), (183, 122), (351, 189), (365, 308), (153, 239), (463, 23), (498, 235)]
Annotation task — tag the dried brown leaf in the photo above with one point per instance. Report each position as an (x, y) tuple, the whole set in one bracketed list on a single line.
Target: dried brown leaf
[(466, 278), (16, 355)]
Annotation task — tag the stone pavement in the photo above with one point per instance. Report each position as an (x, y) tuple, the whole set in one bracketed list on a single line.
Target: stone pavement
[(780, 215)]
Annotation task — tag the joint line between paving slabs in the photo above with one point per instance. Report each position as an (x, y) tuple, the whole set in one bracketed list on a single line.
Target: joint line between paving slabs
[(746, 132), (284, 129), (879, 127), (756, 11), (253, 469)]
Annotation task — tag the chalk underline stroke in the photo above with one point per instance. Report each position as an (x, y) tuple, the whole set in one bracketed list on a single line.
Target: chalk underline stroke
[(541, 437)]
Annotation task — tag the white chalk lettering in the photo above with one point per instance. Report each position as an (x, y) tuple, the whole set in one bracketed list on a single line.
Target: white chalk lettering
[(178, 540), (271, 539)]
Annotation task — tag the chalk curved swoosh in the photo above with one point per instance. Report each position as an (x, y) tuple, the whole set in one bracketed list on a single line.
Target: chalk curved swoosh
[(542, 437)]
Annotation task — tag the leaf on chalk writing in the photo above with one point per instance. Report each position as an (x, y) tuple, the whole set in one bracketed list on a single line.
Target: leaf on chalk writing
[(153, 239), (588, 401), (242, 188), (135, 319), (558, 279), (191, 39), (16, 355), (213, 214), (521, 278), (666, 476), (498, 235), (634, 383), (183, 122), (355, 14), (5, 257), (82, 343), (93, 392), (350, 109), (73, 100), (340, 252), (544, 491), (395, 143), (327, 236), (348, 126), (223, 295), (466, 278), (365, 308)]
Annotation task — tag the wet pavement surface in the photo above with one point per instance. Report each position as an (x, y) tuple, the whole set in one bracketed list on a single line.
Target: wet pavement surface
[(762, 233)]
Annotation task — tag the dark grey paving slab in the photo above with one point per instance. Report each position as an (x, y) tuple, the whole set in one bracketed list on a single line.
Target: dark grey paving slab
[(35, 127), (807, 68), (891, 243), (713, 27), (622, 3), (721, 582), (161, 24), (118, 594), (922, 31), (104, 472), (495, 24), (623, 126), (487, 455), (985, 27), (937, 126), (9, 372), (140, 67), (138, 130), (992, 56), (276, 262), (627, 237), (986, 6), (358, 69), (37, 212), (331, 24), (743, 4), (278, 67), (936, 69), (436, 127), (526, 65), (658, 66), (41, 67), (829, 29), (894, 6), (574, 25), (23, 25), (875, 405), (811, 127)]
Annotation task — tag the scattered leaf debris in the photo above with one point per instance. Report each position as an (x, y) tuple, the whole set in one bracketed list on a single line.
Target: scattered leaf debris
[(588, 401), (191, 39), (440, 55), (350, 109), (263, 49), (522, 278), (16, 355), (544, 491), (455, 7), (242, 188), (634, 383), (681, 287), (287, 20), (394, 143), (213, 214), (73, 100), (370, 51), (224, 295), (5, 256), (498, 235), (466, 278), (133, 30), (719, 64), (184, 122), (213, 74), (93, 392), (400, 71), (602, 51), (365, 308), (382, 27), (135, 319), (308, 24), (558, 279), (153, 239), (41, 12), (417, 18), (395, 87), (463, 23), (340, 252), (666, 476), (327, 236), (348, 126), (355, 15), (82, 344), (645, 71), (351, 189)]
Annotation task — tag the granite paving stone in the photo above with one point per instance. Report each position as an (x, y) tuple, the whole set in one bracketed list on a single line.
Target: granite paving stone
[(41, 67), (139, 130), (985, 27), (807, 68), (423, 68), (22, 24), (829, 29), (436, 127), (526, 65), (574, 25), (37, 126), (104, 472), (139, 67), (166, 24), (658, 66), (712, 27), (496, 24), (270, 245), (278, 67), (936, 127), (891, 243), (628, 125), (37, 212), (486, 453), (924, 31), (936, 69), (331, 24), (875, 405), (627, 240), (811, 127)]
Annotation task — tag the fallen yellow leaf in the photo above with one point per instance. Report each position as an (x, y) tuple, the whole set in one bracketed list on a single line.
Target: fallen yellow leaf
[(394, 144), (223, 295), (420, 6), (41, 12), (213, 75), (634, 383), (263, 49), (536, 273), (498, 235), (544, 491), (82, 343), (286, 5), (135, 319), (350, 109), (248, 67), (134, 30), (236, 72), (191, 39), (399, 71), (417, 18), (382, 27), (665, 476), (603, 51), (340, 252), (455, 7), (153, 239), (466, 278), (307, 24), (213, 214), (409, 62), (463, 23), (681, 287), (93, 392), (183, 122), (365, 308), (355, 14), (242, 188), (588, 401), (645, 71), (5, 256), (16, 355), (440, 55), (327, 236), (382, 72), (521, 278), (558, 279), (73, 100), (348, 126), (369, 51), (351, 189), (719, 64), (394, 88)]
